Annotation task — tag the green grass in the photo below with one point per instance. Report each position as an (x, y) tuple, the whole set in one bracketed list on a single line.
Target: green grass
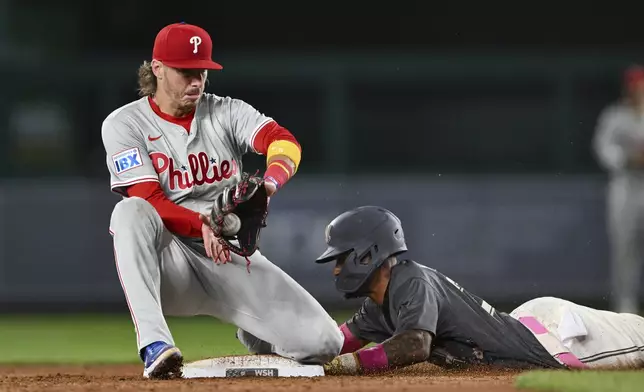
[(581, 381), (85, 339)]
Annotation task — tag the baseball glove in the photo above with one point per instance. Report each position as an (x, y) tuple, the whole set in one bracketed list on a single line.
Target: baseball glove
[(249, 201)]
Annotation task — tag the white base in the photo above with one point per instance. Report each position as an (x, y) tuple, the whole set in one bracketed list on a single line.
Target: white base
[(250, 366)]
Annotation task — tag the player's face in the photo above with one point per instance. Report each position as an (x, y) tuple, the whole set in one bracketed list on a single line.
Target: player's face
[(339, 263), (341, 260), (184, 86)]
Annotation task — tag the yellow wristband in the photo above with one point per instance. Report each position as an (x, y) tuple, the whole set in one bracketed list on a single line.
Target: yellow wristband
[(285, 148)]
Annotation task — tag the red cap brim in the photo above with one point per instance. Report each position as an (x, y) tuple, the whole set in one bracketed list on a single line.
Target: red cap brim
[(193, 64)]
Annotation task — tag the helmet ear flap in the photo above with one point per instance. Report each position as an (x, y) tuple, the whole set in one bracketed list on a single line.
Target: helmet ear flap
[(367, 257)]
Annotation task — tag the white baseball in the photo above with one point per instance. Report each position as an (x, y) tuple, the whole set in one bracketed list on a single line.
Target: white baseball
[(231, 225)]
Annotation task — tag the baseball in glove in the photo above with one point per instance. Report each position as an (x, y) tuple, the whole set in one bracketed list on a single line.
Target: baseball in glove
[(249, 201)]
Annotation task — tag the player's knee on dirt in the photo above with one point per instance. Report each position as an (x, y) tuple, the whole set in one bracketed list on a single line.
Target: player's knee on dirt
[(136, 215), (254, 344)]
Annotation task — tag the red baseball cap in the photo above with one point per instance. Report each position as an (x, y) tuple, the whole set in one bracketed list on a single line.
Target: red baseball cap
[(182, 45)]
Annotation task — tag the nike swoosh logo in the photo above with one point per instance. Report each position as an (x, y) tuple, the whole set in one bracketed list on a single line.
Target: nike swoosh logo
[(150, 138)]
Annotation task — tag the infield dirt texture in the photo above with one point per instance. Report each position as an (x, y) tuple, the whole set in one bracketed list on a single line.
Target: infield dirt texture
[(128, 378)]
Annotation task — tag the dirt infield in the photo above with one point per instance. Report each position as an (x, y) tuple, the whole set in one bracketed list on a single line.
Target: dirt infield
[(128, 378)]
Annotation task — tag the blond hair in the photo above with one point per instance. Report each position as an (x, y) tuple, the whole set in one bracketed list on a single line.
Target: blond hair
[(147, 80)]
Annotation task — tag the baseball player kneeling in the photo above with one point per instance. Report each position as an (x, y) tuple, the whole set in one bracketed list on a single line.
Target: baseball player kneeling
[(415, 314), (186, 232)]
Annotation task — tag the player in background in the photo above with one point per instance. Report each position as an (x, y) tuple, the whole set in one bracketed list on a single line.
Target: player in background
[(619, 147), (169, 154), (415, 314)]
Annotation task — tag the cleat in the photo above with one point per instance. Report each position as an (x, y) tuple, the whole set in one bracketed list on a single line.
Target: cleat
[(162, 361)]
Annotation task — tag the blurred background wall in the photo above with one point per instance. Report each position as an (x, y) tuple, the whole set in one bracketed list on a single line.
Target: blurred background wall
[(474, 125)]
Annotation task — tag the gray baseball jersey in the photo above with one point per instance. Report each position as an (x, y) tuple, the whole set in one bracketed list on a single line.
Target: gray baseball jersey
[(162, 274), (620, 135), (466, 329), (191, 167)]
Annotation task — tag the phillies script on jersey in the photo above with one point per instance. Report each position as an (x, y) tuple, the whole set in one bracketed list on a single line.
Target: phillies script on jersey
[(201, 170)]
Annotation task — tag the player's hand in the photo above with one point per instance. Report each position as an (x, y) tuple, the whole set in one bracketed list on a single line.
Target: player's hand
[(271, 188), (214, 249), (343, 365)]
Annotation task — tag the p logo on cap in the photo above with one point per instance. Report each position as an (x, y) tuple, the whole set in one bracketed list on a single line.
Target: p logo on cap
[(196, 40)]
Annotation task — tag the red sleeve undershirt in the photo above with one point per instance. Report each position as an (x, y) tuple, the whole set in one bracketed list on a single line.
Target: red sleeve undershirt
[(185, 222)]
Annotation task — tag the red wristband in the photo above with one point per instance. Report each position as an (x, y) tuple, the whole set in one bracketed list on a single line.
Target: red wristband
[(278, 172), (373, 359)]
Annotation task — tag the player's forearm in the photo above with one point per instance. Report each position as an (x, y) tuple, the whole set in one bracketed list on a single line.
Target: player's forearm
[(279, 169), (404, 349), (282, 161), (283, 153), (408, 348)]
